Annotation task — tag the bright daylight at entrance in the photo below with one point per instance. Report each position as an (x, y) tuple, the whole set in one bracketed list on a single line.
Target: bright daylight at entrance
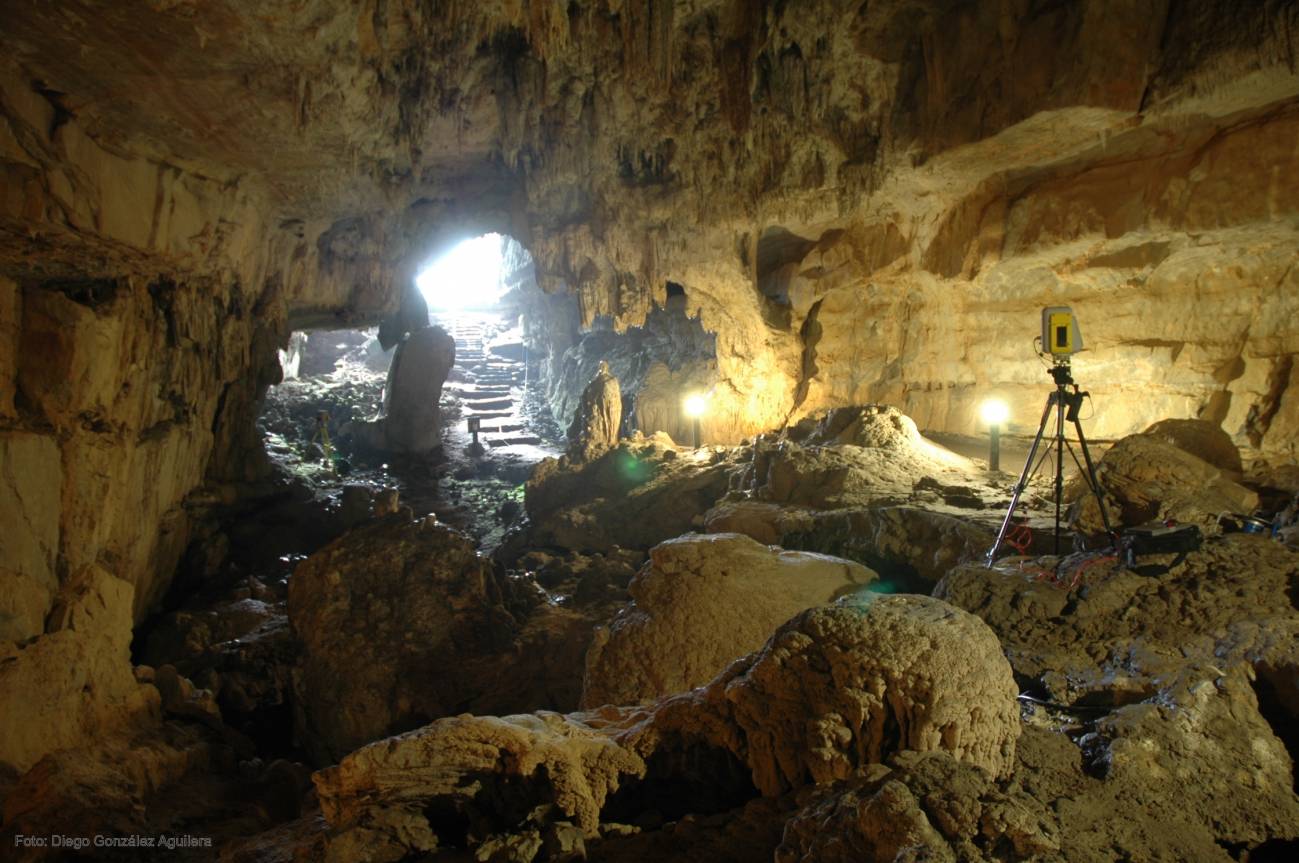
[(469, 276)]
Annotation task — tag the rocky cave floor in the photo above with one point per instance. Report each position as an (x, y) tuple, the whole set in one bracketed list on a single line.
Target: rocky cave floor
[(912, 704)]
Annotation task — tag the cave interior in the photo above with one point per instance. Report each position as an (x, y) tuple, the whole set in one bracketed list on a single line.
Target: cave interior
[(614, 430)]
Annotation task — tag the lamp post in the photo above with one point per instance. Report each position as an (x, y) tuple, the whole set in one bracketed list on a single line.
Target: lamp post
[(995, 413), (695, 406)]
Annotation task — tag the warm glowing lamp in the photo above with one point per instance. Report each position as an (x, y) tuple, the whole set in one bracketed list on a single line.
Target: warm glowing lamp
[(994, 413), (695, 405)]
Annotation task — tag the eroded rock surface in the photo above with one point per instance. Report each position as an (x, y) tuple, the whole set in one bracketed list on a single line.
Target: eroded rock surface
[(702, 601), (400, 623), (1115, 631), (598, 418), (1146, 479), (834, 691)]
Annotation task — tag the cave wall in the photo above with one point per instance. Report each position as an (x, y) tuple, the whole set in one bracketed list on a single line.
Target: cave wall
[(873, 203), (141, 306)]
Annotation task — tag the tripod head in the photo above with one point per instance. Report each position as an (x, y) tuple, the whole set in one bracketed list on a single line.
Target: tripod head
[(1062, 373)]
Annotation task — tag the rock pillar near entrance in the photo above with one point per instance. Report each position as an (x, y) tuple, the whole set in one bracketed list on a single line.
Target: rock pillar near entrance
[(599, 415), (412, 421)]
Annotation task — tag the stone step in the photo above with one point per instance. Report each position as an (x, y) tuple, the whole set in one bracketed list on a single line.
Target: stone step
[(514, 440), (488, 403), (488, 415)]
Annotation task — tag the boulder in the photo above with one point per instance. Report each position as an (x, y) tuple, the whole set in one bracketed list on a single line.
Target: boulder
[(403, 622), (1202, 439), (598, 418), (841, 687), (412, 419), (701, 602), (395, 619), (832, 693), (635, 495), (920, 806), (1199, 750), (1146, 478)]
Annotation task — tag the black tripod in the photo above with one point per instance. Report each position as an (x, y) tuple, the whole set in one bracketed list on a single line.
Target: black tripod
[(1065, 404)]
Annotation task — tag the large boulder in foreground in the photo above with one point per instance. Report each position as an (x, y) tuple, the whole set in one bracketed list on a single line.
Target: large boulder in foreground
[(835, 691), (396, 621), (702, 601), (840, 687)]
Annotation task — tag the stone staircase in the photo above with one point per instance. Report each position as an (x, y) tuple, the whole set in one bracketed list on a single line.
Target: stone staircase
[(489, 387)]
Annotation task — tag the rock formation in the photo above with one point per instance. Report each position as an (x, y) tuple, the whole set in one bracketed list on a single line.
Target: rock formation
[(701, 602), (834, 204), (400, 623), (832, 692), (596, 423), (1147, 479), (635, 495), (412, 421)]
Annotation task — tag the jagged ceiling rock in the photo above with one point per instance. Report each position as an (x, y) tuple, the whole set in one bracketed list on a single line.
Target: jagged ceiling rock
[(835, 187)]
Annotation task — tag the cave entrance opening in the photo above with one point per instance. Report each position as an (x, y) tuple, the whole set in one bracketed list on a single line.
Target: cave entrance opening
[(477, 291)]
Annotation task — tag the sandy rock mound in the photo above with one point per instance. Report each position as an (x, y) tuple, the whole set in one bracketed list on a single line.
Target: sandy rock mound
[(636, 495), (701, 602), (1145, 477), (1202, 439), (400, 623), (840, 687), (860, 456), (1108, 638)]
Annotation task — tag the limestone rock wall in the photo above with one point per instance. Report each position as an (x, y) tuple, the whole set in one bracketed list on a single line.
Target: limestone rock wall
[(872, 204)]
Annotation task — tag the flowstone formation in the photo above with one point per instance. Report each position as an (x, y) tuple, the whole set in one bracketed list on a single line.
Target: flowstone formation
[(870, 691), (699, 603)]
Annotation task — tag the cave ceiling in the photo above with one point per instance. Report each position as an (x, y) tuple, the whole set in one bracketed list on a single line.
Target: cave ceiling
[(780, 160)]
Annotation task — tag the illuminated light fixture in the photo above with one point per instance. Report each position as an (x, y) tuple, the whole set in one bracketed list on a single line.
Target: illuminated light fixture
[(695, 405), (994, 413), (468, 276)]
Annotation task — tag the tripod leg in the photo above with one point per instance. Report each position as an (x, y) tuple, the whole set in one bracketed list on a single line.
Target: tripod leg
[(1059, 462), (1023, 480), (1093, 480)]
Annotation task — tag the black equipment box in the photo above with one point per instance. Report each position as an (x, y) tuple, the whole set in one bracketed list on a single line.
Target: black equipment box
[(1159, 538)]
